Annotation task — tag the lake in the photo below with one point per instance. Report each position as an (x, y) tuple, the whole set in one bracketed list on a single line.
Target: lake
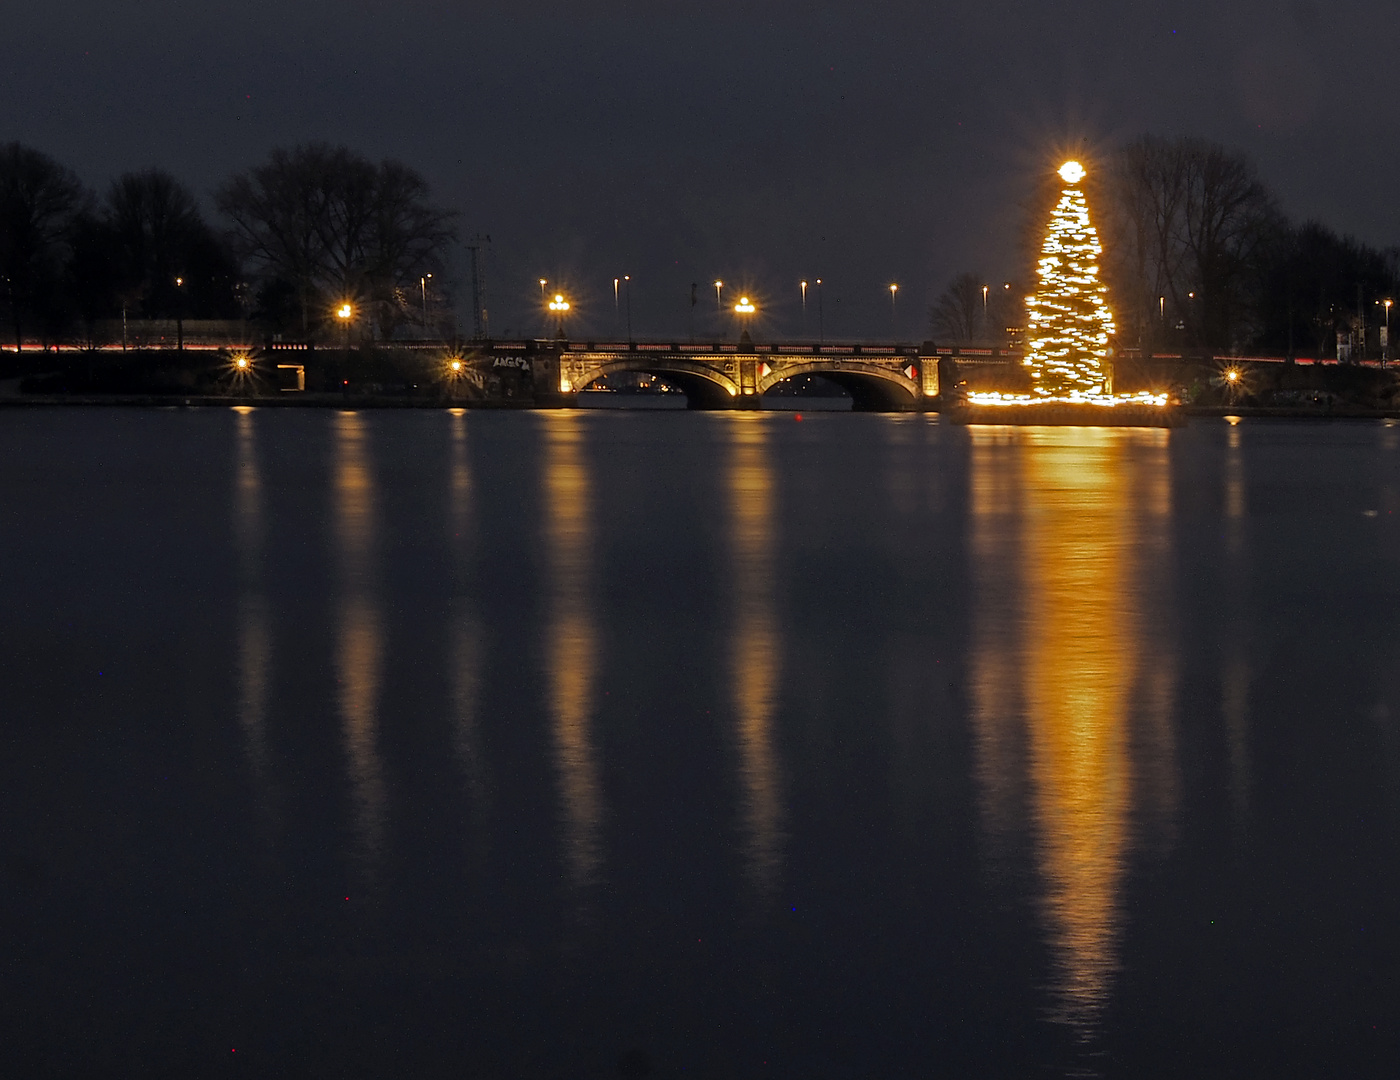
[(615, 743)]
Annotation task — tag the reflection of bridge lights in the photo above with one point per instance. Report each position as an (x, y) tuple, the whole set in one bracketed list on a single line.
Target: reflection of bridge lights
[(744, 306)]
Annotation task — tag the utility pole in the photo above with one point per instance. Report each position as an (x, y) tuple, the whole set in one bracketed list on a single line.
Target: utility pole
[(1291, 356), (1360, 326), (480, 330)]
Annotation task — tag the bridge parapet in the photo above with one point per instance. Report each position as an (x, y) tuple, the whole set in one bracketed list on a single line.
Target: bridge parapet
[(717, 374)]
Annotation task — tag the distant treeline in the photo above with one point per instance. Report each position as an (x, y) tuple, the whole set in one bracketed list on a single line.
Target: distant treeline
[(308, 230), (1198, 256)]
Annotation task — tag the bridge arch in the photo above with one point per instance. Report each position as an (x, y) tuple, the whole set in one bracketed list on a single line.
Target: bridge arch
[(704, 386), (872, 388)]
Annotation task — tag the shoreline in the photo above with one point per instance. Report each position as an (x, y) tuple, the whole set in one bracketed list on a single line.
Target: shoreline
[(341, 401)]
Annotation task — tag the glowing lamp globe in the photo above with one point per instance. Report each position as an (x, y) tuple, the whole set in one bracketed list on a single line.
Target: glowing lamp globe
[(1071, 172)]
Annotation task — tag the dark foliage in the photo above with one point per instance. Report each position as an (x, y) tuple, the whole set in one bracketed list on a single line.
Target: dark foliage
[(338, 228), (40, 205)]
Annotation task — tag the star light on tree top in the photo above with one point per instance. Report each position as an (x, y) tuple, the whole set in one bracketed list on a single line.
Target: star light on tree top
[(1069, 319)]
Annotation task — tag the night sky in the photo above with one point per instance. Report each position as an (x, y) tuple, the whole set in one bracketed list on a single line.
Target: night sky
[(757, 142)]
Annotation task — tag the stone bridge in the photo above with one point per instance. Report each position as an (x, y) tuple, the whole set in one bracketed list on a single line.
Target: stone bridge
[(721, 375)]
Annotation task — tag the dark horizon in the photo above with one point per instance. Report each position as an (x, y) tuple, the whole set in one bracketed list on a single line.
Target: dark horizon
[(680, 145)]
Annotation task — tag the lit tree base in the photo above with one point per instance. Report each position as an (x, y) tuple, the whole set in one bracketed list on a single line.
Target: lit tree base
[(1068, 414)]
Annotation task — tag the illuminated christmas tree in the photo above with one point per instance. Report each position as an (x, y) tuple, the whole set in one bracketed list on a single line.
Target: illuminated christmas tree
[(1070, 323)]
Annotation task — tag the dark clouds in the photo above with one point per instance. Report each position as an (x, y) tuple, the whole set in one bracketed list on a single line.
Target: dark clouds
[(760, 143)]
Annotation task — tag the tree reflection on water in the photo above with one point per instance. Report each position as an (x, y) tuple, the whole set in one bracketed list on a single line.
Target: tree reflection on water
[(1072, 689)]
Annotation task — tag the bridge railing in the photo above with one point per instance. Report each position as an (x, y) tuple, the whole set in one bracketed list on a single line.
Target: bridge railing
[(835, 350)]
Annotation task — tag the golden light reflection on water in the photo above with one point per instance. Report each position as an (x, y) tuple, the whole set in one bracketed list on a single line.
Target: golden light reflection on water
[(359, 631), (572, 640), (1235, 672), (995, 662), (1070, 675), (465, 634), (756, 657), (254, 629)]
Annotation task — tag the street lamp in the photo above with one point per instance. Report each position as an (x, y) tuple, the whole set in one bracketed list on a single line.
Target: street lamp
[(627, 290), (894, 323), (804, 308), (560, 307), (423, 281), (744, 309), (180, 314), (1385, 333), (345, 313), (821, 312)]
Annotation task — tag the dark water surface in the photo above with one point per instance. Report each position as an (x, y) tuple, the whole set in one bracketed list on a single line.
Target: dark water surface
[(630, 744)]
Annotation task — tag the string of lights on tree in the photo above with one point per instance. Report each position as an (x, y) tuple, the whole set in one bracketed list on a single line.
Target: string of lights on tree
[(1070, 322)]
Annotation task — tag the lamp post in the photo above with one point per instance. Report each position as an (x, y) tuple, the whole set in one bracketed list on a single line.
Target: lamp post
[(560, 307), (423, 281), (617, 304), (180, 314), (821, 313), (894, 320), (804, 308), (744, 310), (345, 313), (627, 289)]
